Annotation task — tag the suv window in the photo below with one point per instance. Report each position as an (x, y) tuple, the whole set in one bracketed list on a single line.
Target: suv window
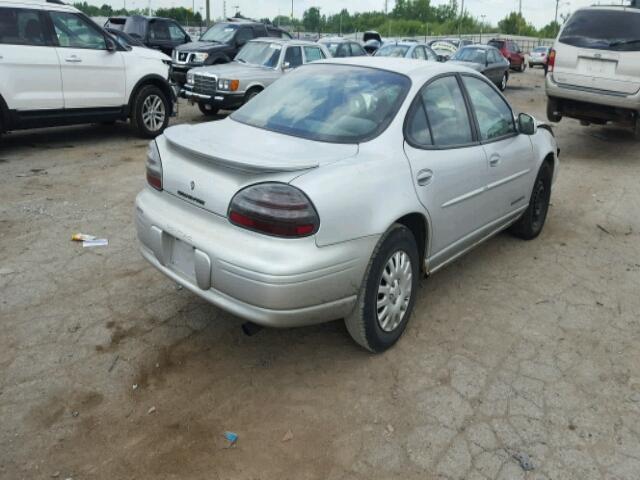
[(443, 112), (293, 56), (311, 54), (603, 30), (74, 31), (494, 116), (243, 36), (21, 27)]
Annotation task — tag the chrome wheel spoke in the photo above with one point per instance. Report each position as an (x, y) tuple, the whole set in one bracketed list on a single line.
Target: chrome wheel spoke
[(394, 291)]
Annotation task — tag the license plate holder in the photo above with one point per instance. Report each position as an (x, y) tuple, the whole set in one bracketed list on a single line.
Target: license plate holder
[(183, 259)]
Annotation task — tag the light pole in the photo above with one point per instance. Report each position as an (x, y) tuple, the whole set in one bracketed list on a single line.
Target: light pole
[(482, 26), (558, 3)]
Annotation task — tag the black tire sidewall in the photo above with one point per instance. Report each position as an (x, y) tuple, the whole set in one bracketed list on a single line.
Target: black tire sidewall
[(140, 97), (524, 227), (398, 239), (208, 113)]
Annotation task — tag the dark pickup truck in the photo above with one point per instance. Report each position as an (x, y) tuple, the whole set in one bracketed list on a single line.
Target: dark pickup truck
[(219, 44)]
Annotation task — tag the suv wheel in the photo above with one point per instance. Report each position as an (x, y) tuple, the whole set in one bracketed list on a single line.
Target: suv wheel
[(207, 109), (552, 108), (150, 115), (388, 292)]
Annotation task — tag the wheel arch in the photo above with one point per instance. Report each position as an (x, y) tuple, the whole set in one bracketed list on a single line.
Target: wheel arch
[(418, 224), (157, 81), (4, 115)]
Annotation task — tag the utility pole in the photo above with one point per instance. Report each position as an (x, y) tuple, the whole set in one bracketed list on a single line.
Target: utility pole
[(341, 22), (482, 26), (208, 8), (520, 8), (460, 20)]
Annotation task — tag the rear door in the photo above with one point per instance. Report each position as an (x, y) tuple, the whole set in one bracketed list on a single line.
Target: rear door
[(600, 49), (92, 76), (511, 161), (30, 76), (448, 165)]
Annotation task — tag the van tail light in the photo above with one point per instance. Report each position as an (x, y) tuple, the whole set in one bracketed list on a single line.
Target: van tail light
[(154, 166), (551, 61), (276, 209)]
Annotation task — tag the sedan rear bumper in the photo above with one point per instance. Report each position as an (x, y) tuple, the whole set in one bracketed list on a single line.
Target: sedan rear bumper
[(270, 281)]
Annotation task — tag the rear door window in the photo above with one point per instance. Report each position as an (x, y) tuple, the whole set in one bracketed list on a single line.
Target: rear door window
[(357, 50), (20, 26), (603, 30)]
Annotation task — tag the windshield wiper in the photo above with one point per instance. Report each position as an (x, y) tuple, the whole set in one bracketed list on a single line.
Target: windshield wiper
[(624, 42)]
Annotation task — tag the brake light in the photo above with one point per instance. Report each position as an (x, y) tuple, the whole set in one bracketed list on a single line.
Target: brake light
[(276, 209), (551, 60), (154, 166)]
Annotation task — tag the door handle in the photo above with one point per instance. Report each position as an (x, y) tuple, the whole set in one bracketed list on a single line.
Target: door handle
[(424, 177), (494, 161), (73, 59)]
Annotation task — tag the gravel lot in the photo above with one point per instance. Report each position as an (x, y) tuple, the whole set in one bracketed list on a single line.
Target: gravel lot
[(521, 355)]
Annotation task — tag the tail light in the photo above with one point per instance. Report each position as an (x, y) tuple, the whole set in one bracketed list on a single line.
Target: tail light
[(275, 209), (154, 166), (551, 61)]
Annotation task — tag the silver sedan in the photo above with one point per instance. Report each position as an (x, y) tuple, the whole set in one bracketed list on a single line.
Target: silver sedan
[(329, 194)]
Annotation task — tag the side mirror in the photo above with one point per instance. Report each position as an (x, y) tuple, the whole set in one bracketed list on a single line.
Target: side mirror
[(187, 39), (527, 124), (286, 66), (111, 45)]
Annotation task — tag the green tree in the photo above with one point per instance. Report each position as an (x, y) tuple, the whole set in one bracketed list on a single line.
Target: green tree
[(515, 24), (550, 30), (311, 19)]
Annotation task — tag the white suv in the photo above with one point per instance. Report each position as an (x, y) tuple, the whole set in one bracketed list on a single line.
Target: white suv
[(57, 67), (594, 67)]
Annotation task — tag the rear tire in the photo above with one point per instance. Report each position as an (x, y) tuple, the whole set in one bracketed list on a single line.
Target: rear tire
[(150, 113), (552, 107), (388, 292), (207, 109), (532, 221)]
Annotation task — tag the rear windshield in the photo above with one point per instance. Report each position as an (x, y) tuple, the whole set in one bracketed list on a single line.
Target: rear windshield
[(603, 30), (392, 51), (470, 54), (541, 49), (328, 103), (496, 43)]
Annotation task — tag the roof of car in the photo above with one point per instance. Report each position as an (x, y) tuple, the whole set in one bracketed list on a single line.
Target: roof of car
[(405, 66), (284, 41), (480, 47), (335, 40)]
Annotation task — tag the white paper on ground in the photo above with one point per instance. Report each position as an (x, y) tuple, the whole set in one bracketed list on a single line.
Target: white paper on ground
[(98, 242)]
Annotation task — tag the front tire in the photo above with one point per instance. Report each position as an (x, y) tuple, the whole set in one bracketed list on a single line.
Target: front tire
[(207, 109), (532, 221), (503, 83), (150, 114), (388, 292)]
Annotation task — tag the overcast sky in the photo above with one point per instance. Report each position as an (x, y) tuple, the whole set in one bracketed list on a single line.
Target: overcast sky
[(539, 12)]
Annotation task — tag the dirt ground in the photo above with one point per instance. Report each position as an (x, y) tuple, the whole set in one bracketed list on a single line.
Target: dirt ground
[(522, 359)]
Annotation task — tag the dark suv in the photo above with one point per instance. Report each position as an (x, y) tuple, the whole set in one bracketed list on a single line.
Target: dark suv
[(512, 52), (163, 34), (219, 44)]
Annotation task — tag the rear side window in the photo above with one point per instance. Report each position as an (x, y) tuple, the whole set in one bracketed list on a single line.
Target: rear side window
[(20, 26), (603, 30), (357, 50)]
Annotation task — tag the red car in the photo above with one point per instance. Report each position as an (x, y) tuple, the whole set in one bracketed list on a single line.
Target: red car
[(511, 51)]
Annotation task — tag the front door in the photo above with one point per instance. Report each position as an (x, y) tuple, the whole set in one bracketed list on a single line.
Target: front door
[(29, 68), (449, 167), (92, 76), (511, 161)]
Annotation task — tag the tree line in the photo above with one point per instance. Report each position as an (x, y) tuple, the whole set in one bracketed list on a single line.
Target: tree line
[(408, 18)]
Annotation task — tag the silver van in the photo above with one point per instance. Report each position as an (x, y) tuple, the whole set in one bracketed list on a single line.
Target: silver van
[(594, 68)]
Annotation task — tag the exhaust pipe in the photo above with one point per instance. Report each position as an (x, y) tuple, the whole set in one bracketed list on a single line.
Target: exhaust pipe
[(250, 329)]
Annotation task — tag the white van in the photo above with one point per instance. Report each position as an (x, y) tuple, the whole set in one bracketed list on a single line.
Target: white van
[(594, 68)]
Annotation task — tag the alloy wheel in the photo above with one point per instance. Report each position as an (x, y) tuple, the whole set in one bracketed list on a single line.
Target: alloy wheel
[(153, 113)]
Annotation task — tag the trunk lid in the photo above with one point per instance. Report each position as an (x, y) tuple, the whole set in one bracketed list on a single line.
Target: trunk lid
[(207, 164)]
